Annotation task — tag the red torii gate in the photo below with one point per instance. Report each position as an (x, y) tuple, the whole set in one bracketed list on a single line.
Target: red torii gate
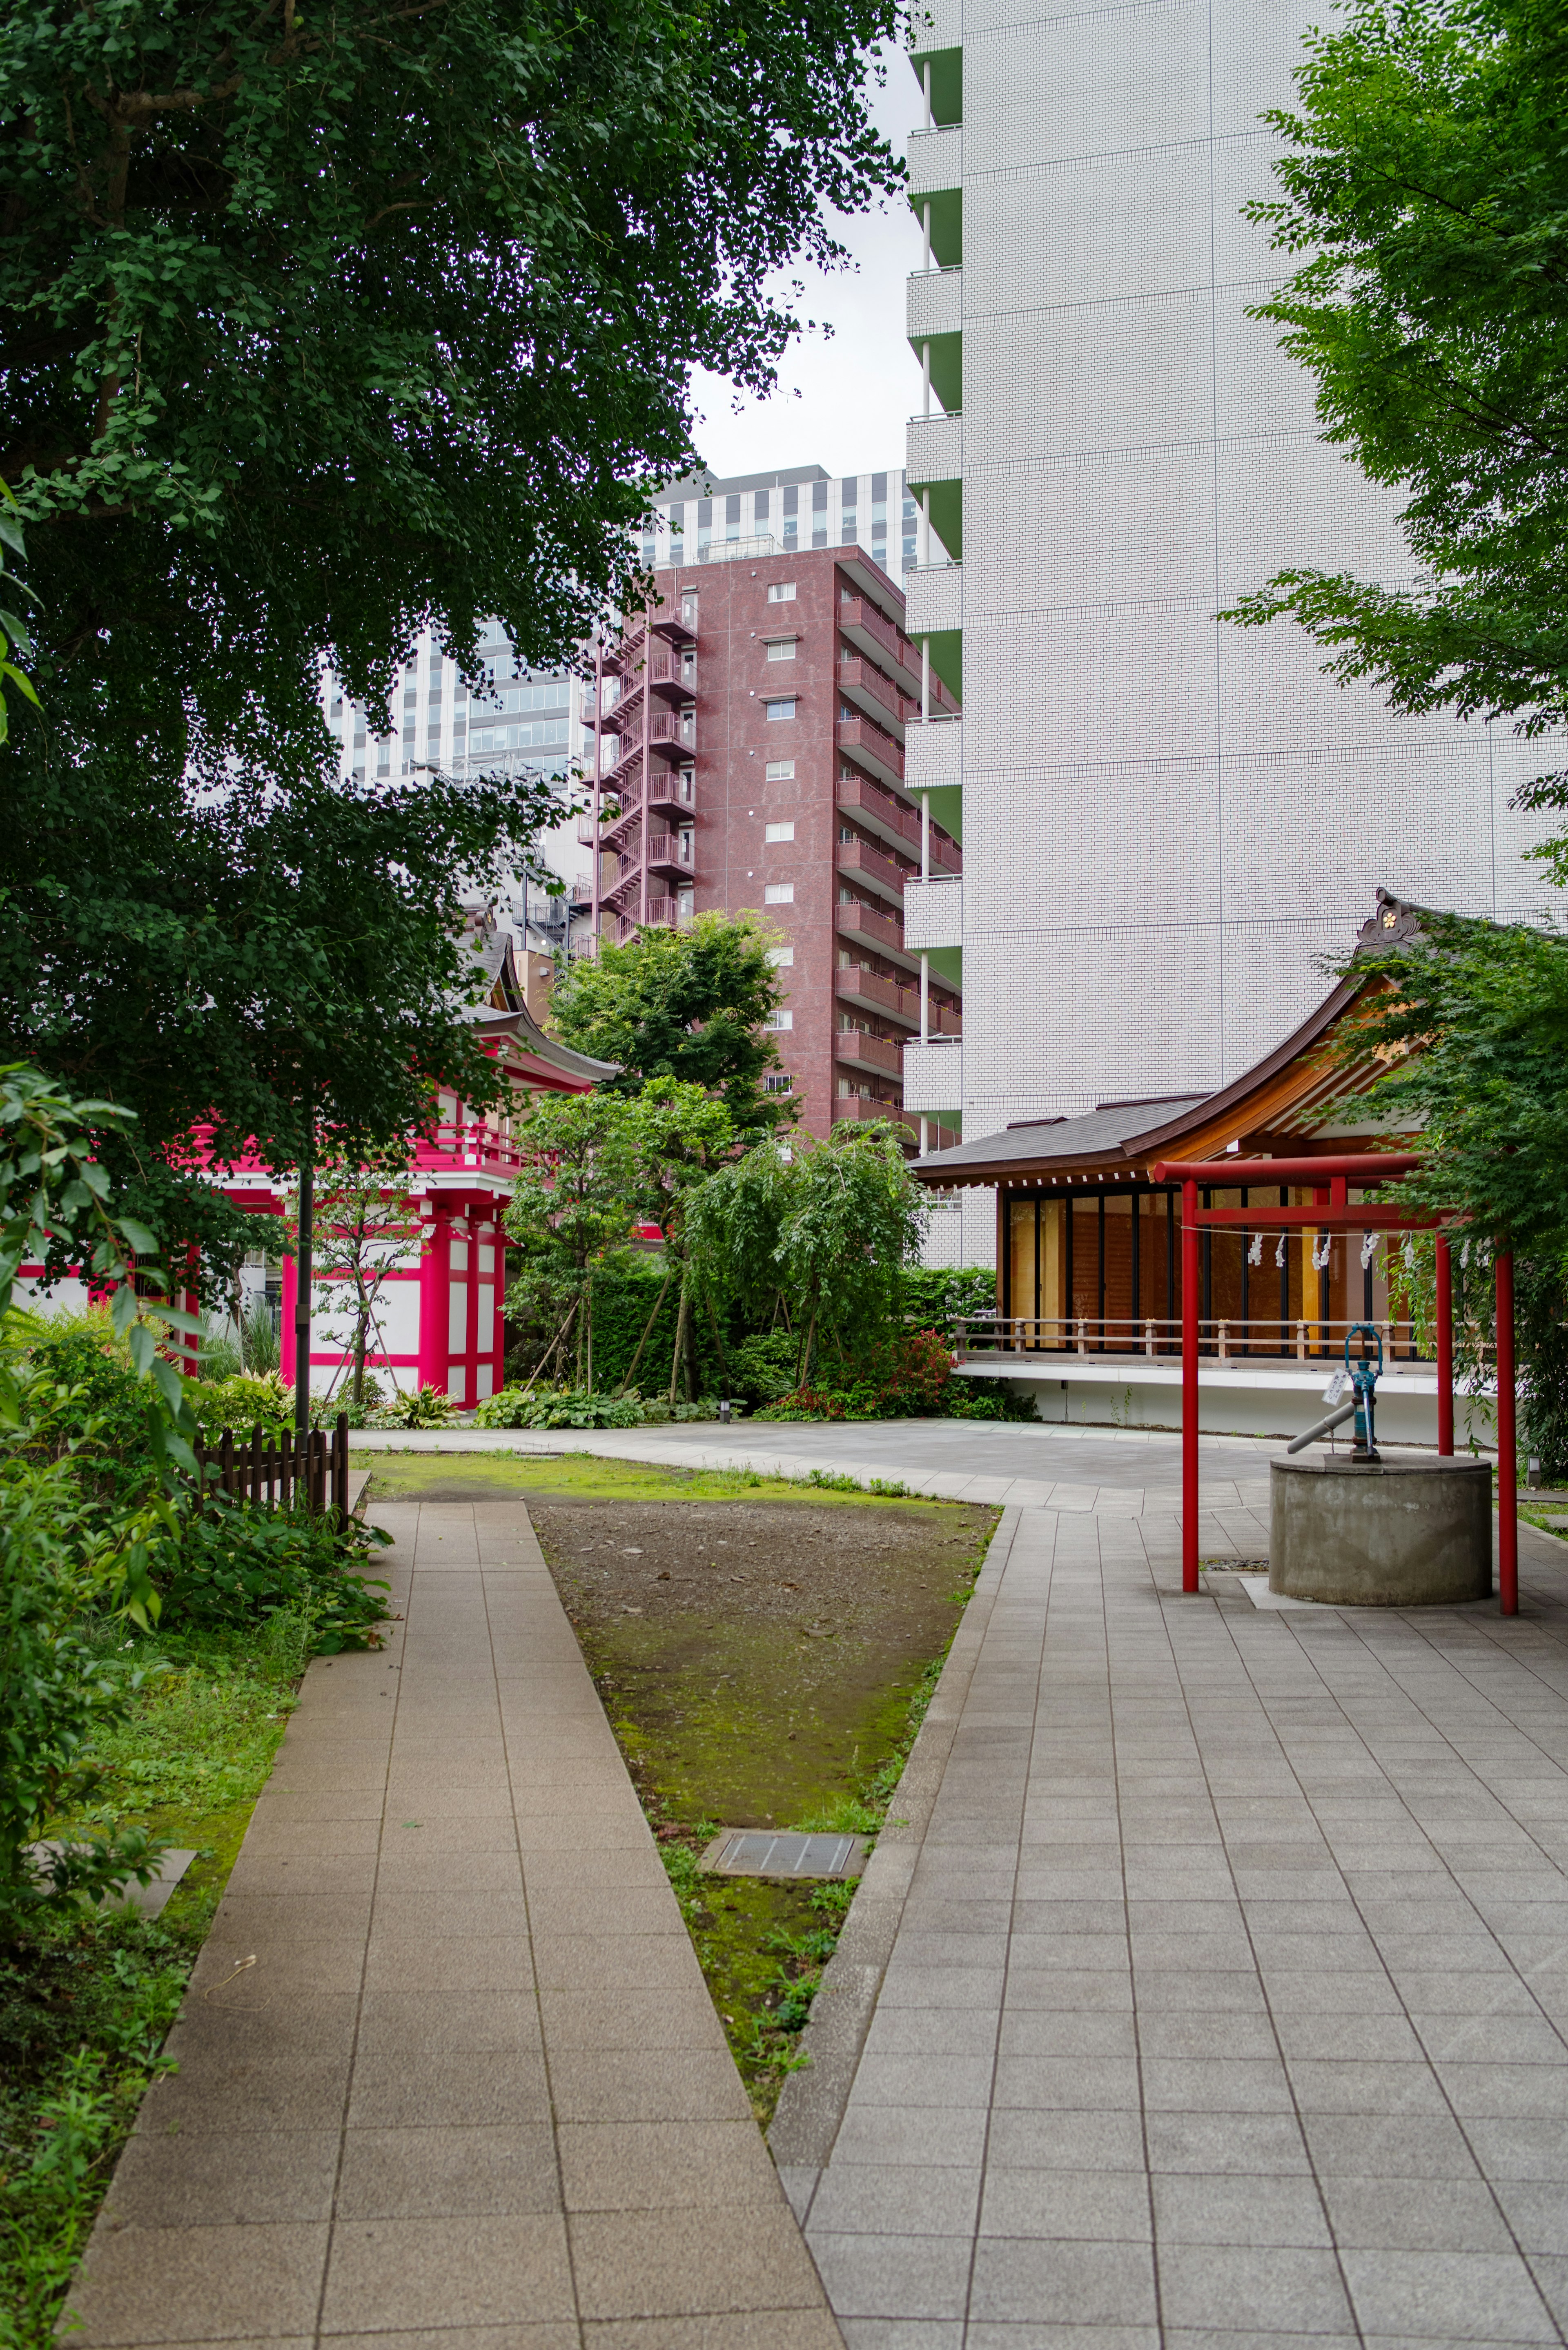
[(1332, 1175)]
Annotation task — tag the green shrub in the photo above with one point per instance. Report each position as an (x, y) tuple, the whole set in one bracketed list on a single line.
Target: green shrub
[(57, 1691), (424, 1407), (914, 1380), (237, 1564), (934, 1297), (762, 1367), (559, 1408), (83, 1402), (241, 1403)]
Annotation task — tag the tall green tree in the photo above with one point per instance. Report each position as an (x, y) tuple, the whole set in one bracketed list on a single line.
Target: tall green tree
[(575, 1203), (316, 328), (692, 1003), (681, 1137), (1470, 1029), (828, 1226), (1423, 196)]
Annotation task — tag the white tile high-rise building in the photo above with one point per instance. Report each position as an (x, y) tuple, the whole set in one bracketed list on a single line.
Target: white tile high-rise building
[(1165, 819)]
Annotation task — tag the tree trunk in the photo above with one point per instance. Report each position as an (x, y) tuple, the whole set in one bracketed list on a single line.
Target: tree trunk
[(648, 1329), (361, 1332), (693, 1379), (681, 1320), (718, 1340), (803, 1360), (588, 1334), (554, 1343)]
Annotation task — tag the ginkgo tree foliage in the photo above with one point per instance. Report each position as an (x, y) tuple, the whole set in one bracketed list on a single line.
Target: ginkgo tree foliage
[(319, 325)]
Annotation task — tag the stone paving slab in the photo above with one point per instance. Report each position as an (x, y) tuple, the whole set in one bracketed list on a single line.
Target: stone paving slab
[(1214, 1991), (449, 2074)]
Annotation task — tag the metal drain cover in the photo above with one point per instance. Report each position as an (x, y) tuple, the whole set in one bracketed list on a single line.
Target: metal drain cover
[(769, 1852)]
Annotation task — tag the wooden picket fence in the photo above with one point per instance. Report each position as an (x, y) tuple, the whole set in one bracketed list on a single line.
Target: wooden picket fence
[(271, 1470)]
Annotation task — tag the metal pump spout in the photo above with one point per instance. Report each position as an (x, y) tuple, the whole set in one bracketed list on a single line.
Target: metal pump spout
[(1364, 1379), (1362, 1407)]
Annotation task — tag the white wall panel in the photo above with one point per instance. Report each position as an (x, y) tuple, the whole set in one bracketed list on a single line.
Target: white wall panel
[(1253, 52), (1104, 683), (1114, 848), (1087, 231), (1092, 530), (1102, 375), (1125, 77), (1291, 503), (397, 1317)]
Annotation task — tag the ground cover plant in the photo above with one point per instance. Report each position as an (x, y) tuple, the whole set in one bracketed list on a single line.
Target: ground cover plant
[(88, 1995), (765, 1651)]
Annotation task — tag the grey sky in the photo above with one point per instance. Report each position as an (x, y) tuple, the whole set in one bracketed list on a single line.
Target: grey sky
[(843, 401)]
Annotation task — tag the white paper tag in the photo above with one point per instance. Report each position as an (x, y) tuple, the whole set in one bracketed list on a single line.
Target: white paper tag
[(1336, 1387)]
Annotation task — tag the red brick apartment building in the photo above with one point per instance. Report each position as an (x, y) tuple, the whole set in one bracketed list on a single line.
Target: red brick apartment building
[(751, 755)]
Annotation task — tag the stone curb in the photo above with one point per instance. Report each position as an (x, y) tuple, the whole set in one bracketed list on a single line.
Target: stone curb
[(813, 2101)]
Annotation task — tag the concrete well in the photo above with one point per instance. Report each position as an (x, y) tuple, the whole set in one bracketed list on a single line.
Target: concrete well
[(1404, 1535)]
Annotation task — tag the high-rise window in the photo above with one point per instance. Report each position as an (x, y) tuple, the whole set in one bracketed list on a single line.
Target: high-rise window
[(760, 506)]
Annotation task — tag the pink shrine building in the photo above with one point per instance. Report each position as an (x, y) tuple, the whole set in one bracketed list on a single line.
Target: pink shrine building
[(439, 1306)]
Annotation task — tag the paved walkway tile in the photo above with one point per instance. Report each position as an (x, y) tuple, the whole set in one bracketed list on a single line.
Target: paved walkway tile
[(1214, 1989), (449, 2072)]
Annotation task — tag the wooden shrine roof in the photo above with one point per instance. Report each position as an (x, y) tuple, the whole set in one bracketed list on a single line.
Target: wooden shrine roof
[(1278, 1108)]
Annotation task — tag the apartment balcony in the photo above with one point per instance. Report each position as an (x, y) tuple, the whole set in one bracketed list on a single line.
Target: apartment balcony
[(880, 930), (935, 27), (672, 733), (934, 592), (896, 823), (933, 915), (671, 790), (935, 456), (879, 812), (673, 678), (873, 871), (661, 916), (936, 164), (880, 995), (856, 1048), (872, 633), (859, 1110), (934, 305), (877, 695), (933, 1075), (933, 754), (668, 854), (935, 468), (873, 748)]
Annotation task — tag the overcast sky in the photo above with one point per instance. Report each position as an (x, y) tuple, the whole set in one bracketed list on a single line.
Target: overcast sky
[(842, 399)]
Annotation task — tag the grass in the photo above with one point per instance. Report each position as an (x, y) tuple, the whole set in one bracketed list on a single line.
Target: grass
[(763, 1944), (589, 1476), (87, 1998)]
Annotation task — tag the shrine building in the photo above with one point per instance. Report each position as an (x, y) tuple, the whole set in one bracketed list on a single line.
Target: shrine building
[(1088, 1306)]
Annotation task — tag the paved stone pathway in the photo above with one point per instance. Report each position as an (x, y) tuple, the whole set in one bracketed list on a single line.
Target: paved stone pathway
[(1210, 1985), (472, 2093)]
